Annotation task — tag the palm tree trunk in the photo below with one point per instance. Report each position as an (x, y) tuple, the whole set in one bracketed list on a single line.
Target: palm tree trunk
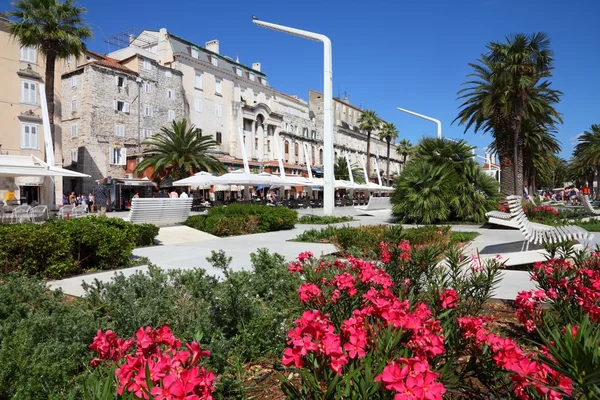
[(597, 182), (50, 65), (387, 172), (368, 155), (515, 163), (507, 176)]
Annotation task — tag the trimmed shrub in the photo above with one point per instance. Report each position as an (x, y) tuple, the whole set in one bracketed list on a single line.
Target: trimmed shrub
[(242, 219), (323, 219), (62, 247)]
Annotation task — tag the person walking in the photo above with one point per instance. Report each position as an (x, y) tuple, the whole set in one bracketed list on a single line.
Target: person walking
[(101, 197)]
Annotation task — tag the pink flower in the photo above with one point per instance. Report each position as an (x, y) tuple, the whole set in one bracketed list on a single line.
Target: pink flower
[(309, 292), (306, 256), (449, 298)]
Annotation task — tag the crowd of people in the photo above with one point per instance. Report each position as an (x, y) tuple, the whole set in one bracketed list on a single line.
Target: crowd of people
[(568, 196)]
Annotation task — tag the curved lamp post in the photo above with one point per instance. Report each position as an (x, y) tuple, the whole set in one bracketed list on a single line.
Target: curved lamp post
[(328, 178), (437, 121)]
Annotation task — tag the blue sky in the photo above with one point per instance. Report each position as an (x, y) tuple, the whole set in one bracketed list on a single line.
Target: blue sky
[(386, 53)]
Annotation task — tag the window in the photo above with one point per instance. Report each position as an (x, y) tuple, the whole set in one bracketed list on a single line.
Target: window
[(29, 54), (255, 143), (74, 154), (121, 106), (313, 134), (170, 94), (195, 53), (121, 81), (296, 149), (198, 105), (29, 136), (74, 130), (268, 144), (218, 110), (147, 65), (73, 105), (198, 81), (168, 74), (68, 61), (287, 147), (74, 81), (148, 133), (219, 138), (238, 71), (218, 86), (120, 130), (321, 157), (305, 132), (147, 87), (117, 155), (171, 115), (28, 92), (252, 76), (147, 111), (214, 60)]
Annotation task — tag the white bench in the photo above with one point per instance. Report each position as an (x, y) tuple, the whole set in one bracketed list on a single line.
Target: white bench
[(160, 212), (587, 204), (501, 218), (536, 235), (376, 203)]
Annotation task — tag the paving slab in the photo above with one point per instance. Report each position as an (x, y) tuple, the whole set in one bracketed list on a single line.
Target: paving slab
[(181, 234)]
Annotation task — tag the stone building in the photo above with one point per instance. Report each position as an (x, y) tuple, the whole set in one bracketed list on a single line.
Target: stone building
[(234, 104), (110, 106)]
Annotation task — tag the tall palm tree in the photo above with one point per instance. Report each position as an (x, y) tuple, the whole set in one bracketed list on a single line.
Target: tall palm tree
[(181, 150), (587, 151), (509, 86), (340, 170), (404, 148), (56, 29), (369, 122), (388, 133)]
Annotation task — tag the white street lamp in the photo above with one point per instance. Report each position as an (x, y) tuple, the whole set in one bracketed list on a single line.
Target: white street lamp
[(328, 187), (437, 121)]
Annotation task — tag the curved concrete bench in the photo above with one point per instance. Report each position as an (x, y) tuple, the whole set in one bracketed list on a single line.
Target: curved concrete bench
[(587, 204), (377, 203), (160, 212)]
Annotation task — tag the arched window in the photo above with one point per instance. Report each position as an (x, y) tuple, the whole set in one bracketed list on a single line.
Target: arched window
[(296, 149), (287, 147), (321, 156), (305, 132), (312, 153)]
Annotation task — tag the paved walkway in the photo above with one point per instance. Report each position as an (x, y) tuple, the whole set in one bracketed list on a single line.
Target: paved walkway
[(188, 251)]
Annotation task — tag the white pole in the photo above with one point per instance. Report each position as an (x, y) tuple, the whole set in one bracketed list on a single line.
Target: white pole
[(278, 148), (328, 187), (244, 156), (349, 168), (308, 169), (377, 167), (437, 121), (362, 161)]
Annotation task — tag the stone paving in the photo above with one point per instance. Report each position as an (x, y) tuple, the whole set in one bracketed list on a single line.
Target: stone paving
[(185, 249)]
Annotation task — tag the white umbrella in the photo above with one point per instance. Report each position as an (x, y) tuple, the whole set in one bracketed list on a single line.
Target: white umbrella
[(201, 179), (242, 178)]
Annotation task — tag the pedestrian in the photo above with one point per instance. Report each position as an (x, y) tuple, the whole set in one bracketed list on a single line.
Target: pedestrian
[(101, 197), (91, 202), (183, 195), (173, 194)]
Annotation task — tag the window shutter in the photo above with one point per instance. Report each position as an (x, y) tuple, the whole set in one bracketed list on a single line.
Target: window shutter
[(34, 137), (115, 104), (25, 136), (124, 82), (111, 155), (126, 107), (116, 80), (122, 156)]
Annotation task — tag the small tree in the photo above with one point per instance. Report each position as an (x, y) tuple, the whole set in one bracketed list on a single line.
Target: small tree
[(388, 133), (369, 122)]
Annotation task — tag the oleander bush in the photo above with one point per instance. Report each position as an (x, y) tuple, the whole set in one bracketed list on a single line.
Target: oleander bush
[(241, 219), (59, 248)]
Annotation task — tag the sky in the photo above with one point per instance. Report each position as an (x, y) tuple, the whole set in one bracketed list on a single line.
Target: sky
[(412, 54)]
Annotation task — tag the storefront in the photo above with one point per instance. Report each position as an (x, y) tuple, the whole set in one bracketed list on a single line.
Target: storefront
[(124, 190)]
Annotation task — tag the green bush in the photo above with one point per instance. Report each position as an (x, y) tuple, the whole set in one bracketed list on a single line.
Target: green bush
[(62, 247), (323, 219), (242, 219)]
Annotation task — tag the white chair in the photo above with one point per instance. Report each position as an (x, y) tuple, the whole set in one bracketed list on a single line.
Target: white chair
[(501, 218), (39, 214), (21, 213), (587, 204), (536, 235), (80, 211), (7, 214), (161, 212), (67, 211)]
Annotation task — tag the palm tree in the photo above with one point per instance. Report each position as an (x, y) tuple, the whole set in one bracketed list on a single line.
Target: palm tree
[(369, 122), (509, 87), (56, 29), (388, 133), (587, 151), (340, 170), (180, 150), (404, 148)]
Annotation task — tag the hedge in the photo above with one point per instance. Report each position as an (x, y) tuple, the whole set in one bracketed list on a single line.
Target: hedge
[(65, 247), (242, 219)]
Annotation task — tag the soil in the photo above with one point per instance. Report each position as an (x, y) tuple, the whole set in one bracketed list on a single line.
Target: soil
[(261, 381)]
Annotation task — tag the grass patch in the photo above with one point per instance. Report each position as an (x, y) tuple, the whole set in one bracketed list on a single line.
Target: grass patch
[(323, 220), (591, 225)]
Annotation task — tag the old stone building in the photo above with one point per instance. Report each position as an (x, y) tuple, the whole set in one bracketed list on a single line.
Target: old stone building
[(110, 106)]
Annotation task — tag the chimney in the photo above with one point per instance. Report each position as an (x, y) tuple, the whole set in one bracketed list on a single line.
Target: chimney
[(213, 46), (131, 39), (256, 66)]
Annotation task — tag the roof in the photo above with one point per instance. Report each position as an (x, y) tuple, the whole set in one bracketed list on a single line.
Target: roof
[(105, 61)]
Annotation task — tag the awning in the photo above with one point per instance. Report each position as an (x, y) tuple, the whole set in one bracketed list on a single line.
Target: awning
[(135, 182), (29, 180), (33, 166)]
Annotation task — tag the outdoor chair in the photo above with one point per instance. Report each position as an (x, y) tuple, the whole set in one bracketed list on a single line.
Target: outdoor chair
[(66, 212), (7, 214), (39, 214), (285, 203), (21, 213), (80, 211), (587, 204), (537, 235)]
